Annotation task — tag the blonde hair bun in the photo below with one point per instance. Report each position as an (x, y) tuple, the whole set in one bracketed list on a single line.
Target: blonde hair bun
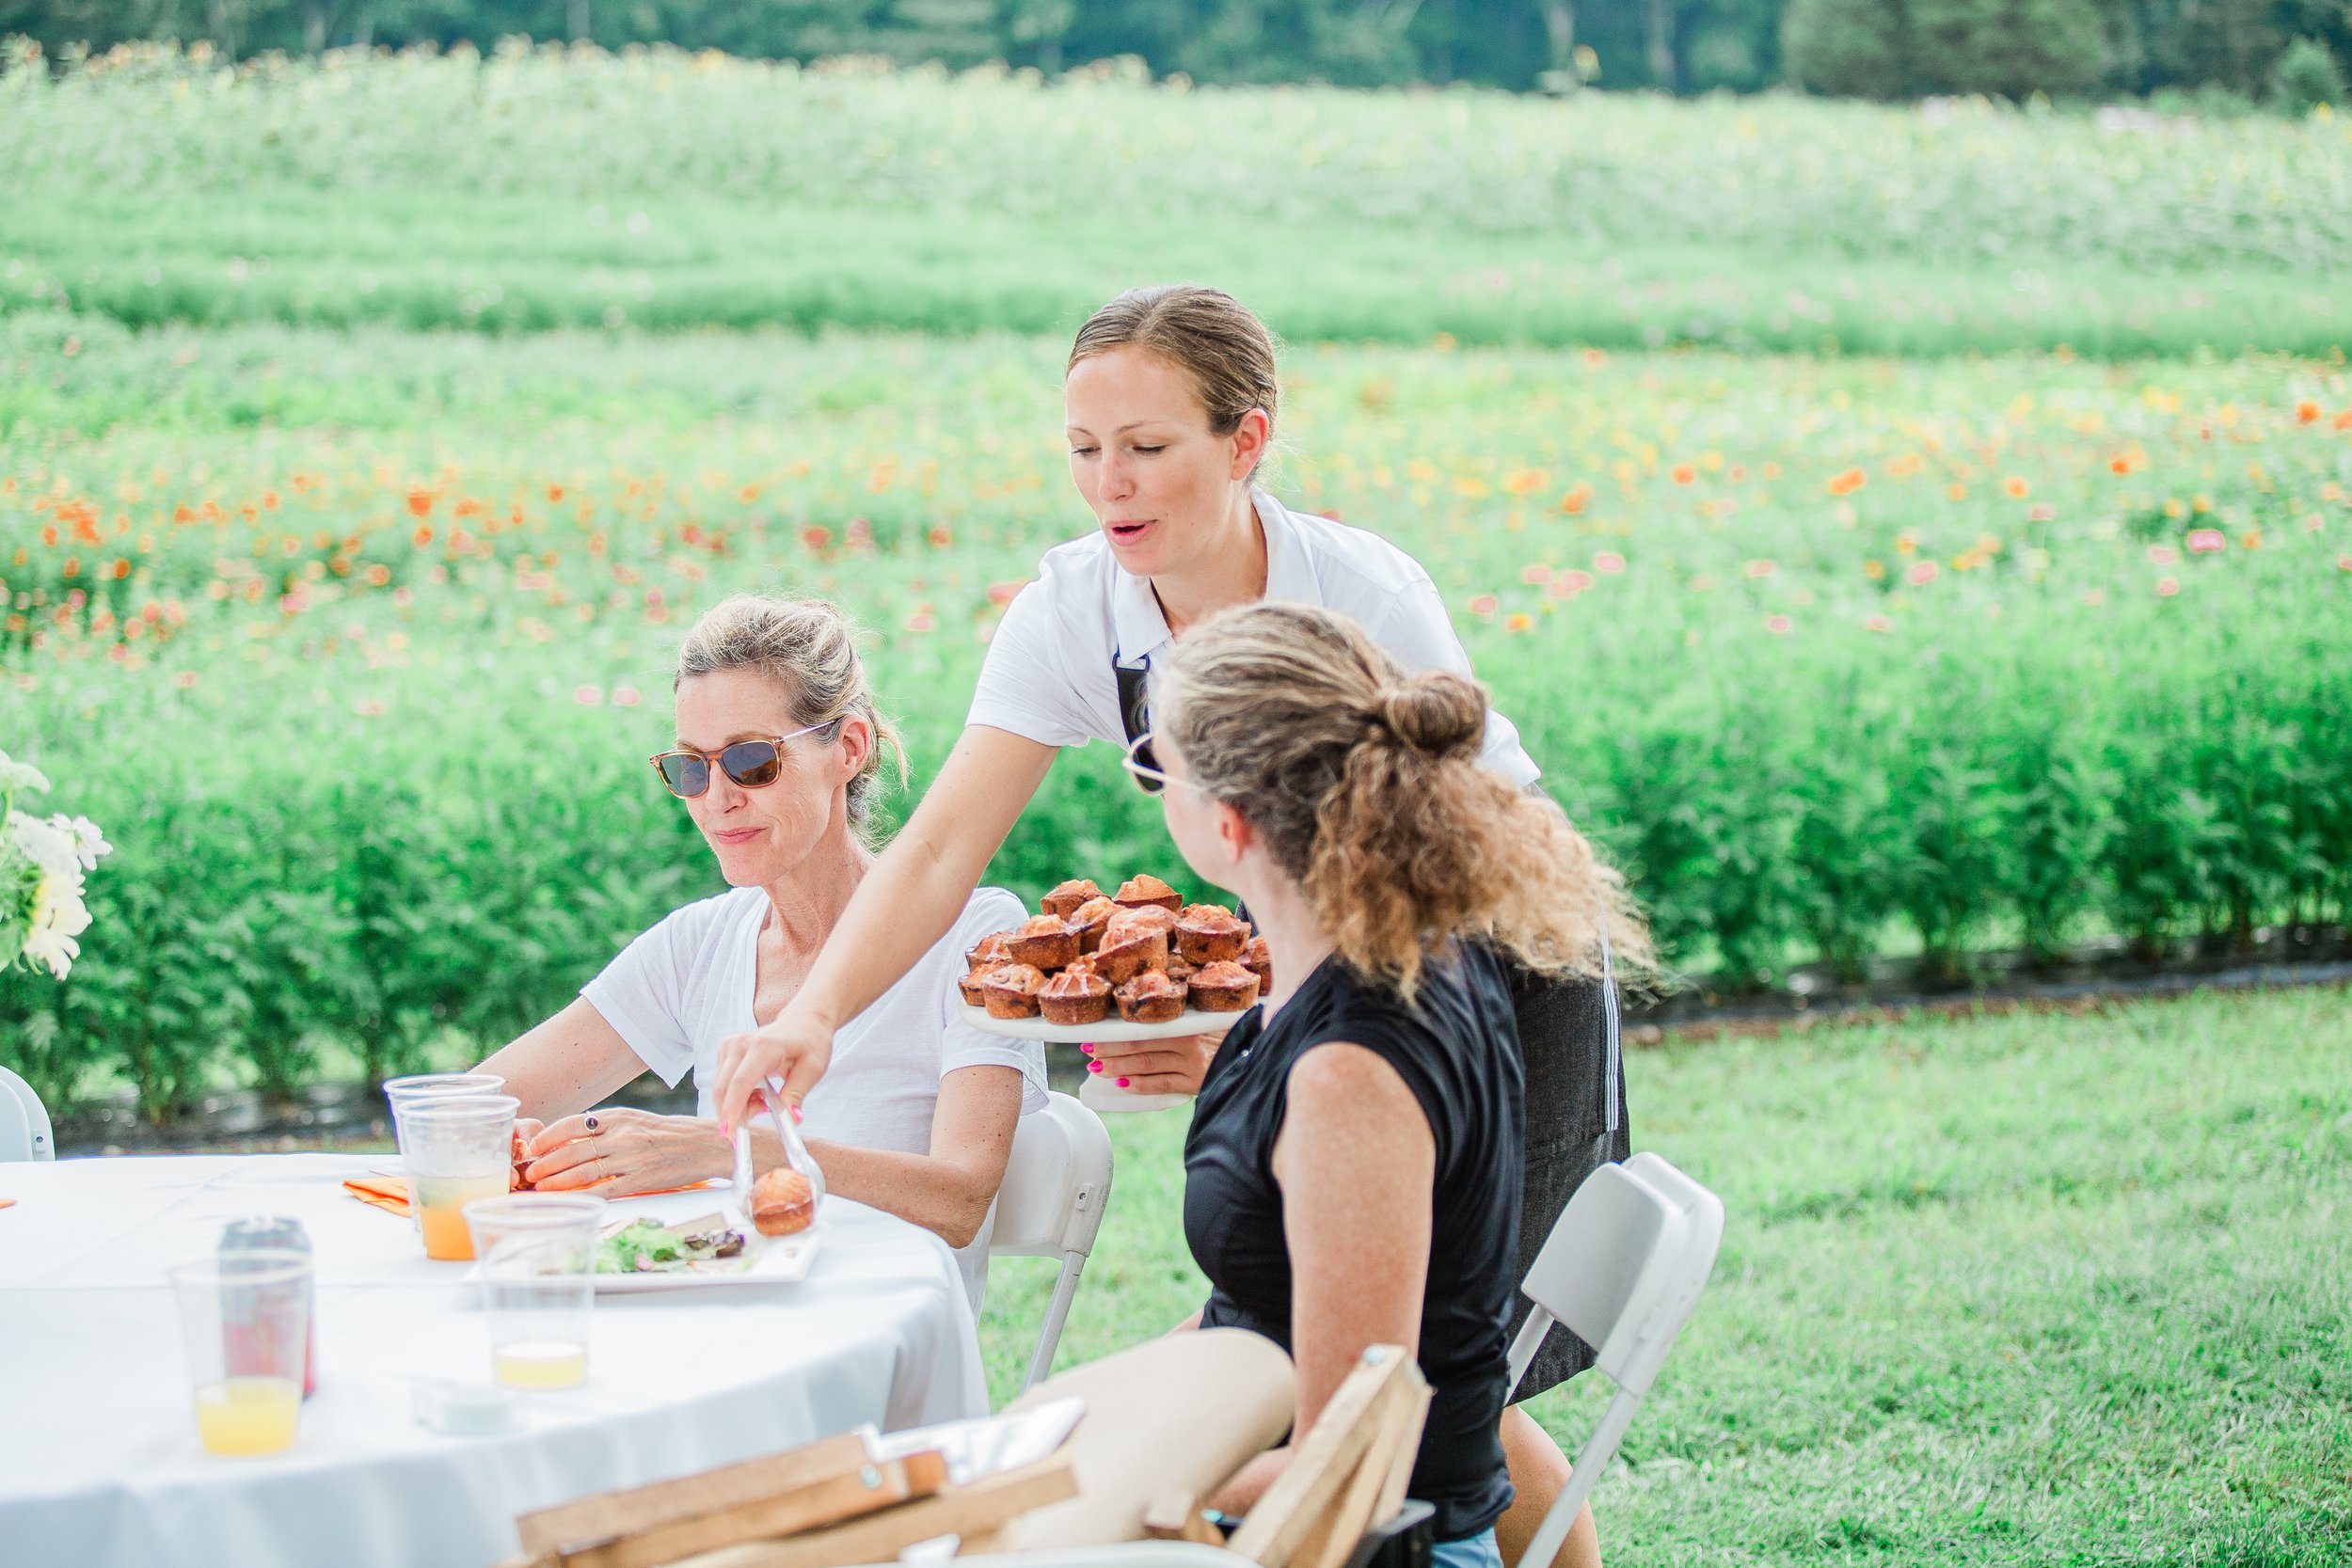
[(1436, 712)]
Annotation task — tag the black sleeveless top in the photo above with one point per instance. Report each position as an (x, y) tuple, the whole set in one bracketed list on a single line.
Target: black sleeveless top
[(1457, 1050)]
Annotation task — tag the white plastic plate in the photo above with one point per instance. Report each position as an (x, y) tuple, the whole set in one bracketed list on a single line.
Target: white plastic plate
[(1193, 1022), (780, 1260)]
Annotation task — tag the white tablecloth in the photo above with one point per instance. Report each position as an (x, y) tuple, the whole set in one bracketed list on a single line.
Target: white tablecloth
[(98, 1458)]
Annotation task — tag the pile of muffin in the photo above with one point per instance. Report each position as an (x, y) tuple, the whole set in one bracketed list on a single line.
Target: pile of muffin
[(1143, 948)]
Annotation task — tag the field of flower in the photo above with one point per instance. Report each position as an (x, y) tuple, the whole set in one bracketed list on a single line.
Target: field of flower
[(355, 642), (536, 190)]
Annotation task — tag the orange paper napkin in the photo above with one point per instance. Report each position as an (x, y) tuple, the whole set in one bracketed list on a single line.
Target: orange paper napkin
[(391, 1193)]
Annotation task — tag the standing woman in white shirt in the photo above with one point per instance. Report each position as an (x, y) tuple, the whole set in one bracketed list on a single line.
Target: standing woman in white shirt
[(1169, 399)]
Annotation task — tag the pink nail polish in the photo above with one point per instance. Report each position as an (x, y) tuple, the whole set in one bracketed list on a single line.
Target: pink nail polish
[(1122, 1082), (1087, 1047), (1094, 1066), (724, 1129)]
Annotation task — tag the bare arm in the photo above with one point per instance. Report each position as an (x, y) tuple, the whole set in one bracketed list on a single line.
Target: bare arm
[(1357, 1164), (906, 903), (949, 1189), (572, 1061)]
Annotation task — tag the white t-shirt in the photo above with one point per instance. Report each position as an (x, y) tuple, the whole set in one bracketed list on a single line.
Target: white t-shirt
[(1047, 677), (688, 983)]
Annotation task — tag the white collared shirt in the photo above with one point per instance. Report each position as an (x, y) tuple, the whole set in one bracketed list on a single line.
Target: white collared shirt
[(1048, 676)]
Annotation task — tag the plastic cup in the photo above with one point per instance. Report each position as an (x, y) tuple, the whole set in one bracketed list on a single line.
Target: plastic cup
[(538, 1262), (421, 1086), (245, 1318), (456, 1149)]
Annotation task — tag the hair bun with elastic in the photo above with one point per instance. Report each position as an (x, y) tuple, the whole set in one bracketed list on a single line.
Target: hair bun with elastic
[(1435, 712)]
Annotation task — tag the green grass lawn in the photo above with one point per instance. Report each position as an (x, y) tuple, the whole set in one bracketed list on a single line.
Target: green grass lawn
[(2064, 1289)]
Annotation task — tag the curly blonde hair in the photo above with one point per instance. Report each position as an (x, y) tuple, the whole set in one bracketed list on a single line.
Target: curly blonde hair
[(1366, 785)]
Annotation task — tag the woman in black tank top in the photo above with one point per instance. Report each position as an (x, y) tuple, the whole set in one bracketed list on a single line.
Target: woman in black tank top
[(1352, 1174)]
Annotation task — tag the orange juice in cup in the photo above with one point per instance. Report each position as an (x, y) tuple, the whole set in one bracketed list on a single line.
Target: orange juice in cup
[(440, 1204), (457, 1148)]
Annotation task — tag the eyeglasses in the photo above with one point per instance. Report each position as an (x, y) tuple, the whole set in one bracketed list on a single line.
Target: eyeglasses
[(748, 764), (1143, 767)]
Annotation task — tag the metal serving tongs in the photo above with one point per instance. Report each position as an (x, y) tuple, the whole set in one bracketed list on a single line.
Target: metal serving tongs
[(796, 1154)]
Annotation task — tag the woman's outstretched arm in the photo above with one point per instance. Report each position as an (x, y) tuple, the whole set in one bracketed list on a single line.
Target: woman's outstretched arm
[(906, 903)]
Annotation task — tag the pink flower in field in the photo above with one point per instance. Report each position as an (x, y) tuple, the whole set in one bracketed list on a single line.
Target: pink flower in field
[(2164, 555), (920, 621), (1759, 569), (1483, 605), (1535, 572), (403, 598), (588, 696), (295, 602), (1778, 624), (1002, 593), (184, 680), (2204, 541), (1922, 573), (2166, 587), (1608, 560), (1574, 581), (368, 707), (1877, 623), (626, 696), (2040, 512), (2343, 564)]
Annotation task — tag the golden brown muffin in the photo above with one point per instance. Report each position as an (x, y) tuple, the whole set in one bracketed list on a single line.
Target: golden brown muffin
[(1225, 987), (1074, 996), (1206, 933), (1042, 942), (781, 1202), (975, 990), (988, 953), (1150, 997), (1135, 940), (1011, 990), (1089, 918), (1180, 967), (1066, 898), (1259, 960), (1138, 892)]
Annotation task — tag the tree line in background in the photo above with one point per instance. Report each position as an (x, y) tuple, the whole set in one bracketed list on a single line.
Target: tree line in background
[(2231, 50)]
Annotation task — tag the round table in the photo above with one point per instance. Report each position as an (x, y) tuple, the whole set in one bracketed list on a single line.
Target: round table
[(99, 1459)]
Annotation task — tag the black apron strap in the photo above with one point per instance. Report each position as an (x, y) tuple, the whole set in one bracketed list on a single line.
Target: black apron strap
[(1135, 705)]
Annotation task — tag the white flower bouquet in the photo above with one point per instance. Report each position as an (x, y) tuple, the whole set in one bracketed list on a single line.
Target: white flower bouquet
[(42, 862)]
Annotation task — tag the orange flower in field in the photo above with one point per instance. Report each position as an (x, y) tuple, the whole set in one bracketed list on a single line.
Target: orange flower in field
[(1685, 474), (1594, 358), (1525, 482), (1519, 621), (378, 574), (1577, 499), (421, 502), (1759, 569), (423, 535), (2343, 564), (1957, 491), (2014, 488), (940, 537), (2344, 421), (555, 492), (1848, 483), (2307, 412), (1874, 569)]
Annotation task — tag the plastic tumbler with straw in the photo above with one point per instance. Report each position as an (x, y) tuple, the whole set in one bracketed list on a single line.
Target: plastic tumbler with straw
[(457, 1148), (421, 1086), (245, 1318), (538, 1263)]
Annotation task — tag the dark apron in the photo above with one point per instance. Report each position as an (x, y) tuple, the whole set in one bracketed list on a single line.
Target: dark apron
[(1572, 1058)]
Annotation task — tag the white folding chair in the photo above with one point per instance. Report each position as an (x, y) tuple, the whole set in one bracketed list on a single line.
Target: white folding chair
[(1057, 1185), (24, 1131), (1623, 1268)]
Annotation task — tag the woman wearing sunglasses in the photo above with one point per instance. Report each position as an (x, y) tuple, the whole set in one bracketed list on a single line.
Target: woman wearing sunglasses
[(1351, 1177), (1169, 400), (779, 748)]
